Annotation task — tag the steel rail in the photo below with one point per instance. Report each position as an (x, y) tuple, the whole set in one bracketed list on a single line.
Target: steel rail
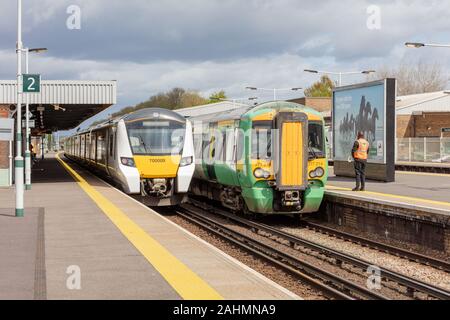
[(406, 281), (334, 286), (402, 253)]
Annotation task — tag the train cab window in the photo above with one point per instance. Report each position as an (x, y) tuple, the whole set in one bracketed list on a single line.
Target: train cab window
[(316, 143), (156, 137), (262, 140)]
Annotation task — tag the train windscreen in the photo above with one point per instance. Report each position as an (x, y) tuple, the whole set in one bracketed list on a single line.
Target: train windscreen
[(156, 137), (316, 140)]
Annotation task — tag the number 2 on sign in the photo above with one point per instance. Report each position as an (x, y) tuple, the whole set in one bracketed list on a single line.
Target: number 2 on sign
[(32, 83)]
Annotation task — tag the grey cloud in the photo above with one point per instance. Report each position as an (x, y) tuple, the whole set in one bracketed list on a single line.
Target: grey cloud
[(196, 30)]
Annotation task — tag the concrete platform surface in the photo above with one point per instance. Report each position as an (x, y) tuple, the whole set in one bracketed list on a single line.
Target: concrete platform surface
[(102, 244), (419, 190), (22, 255)]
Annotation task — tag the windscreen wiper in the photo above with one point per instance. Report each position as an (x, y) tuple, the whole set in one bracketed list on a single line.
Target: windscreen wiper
[(143, 143), (314, 154)]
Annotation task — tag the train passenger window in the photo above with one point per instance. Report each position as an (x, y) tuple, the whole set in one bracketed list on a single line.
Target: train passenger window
[(240, 145), (198, 138), (92, 153), (262, 140), (101, 147), (83, 146), (88, 145)]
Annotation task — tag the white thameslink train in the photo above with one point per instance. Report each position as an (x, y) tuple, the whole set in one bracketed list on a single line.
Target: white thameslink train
[(148, 153)]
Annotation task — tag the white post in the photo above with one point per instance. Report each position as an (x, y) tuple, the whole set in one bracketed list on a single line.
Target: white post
[(340, 79), (409, 150), (10, 163), (274, 94), (425, 149), (27, 133), (18, 161), (396, 149)]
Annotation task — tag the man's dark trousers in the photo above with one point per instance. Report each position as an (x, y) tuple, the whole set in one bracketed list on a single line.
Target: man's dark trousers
[(360, 171)]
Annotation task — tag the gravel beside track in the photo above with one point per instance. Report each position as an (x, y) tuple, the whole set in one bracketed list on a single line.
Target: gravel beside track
[(411, 269)]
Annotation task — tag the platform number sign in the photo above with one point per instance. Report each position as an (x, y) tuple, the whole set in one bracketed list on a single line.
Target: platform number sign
[(31, 83)]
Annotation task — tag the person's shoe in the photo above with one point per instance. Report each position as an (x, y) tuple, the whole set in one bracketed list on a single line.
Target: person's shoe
[(355, 189), (362, 189)]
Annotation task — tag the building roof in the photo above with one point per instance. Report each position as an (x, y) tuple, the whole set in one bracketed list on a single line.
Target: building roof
[(63, 105), (211, 108), (425, 102)]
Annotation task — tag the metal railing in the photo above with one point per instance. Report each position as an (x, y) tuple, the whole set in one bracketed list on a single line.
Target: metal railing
[(435, 150)]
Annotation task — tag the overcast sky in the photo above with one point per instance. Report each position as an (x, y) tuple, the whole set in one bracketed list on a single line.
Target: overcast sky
[(150, 46)]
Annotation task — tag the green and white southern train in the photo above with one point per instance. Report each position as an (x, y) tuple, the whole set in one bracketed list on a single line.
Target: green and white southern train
[(268, 159)]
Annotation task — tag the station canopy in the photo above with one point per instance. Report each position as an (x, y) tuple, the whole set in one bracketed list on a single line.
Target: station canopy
[(61, 104)]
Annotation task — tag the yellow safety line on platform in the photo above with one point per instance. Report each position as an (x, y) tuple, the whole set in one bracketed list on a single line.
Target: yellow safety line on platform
[(424, 174), (441, 203), (184, 281)]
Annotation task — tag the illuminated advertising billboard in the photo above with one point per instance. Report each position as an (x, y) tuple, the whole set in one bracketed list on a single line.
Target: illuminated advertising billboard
[(368, 108), (360, 110)]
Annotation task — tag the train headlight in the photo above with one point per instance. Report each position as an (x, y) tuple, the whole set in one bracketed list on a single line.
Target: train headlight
[(129, 162), (186, 161), (319, 172), (260, 173)]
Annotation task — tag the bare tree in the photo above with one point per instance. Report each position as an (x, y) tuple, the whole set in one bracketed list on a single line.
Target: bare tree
[(414, 78)]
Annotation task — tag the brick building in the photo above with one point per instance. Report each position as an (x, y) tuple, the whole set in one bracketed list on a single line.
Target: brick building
[(418, 115), (4, 151), (322, 104), (423, 115)]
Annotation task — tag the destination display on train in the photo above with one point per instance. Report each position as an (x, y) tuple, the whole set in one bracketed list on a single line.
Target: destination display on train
[(359, 110)]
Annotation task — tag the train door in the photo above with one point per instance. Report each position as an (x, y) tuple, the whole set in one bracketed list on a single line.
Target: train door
[(212, 152), (292, 151), (111, 157)]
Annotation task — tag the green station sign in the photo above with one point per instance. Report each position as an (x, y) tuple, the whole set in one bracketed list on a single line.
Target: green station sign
[(31, 83)]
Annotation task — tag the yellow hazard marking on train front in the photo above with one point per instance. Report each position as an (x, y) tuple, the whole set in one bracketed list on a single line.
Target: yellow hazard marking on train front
[(394, 196), (183, 280)]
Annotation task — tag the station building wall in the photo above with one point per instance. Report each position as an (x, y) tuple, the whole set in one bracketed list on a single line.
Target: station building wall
[(318, 103), (425, 125), (4, 152)]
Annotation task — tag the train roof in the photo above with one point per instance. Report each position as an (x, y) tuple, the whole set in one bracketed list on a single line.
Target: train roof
[(146, 113), (211, 108), (236, 114), (154, 113)]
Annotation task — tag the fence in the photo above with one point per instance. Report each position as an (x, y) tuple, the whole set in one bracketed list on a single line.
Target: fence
[(423, 150)]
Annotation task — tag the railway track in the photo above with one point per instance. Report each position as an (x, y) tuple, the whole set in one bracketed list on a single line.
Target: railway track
[(412, 286), (329, 284), (399, 252)]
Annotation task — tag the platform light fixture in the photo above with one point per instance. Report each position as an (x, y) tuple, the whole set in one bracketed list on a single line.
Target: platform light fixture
[(417, 45), (340, 74), (274, 90)]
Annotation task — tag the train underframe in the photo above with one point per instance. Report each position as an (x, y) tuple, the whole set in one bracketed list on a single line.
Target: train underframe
[(259, 200)]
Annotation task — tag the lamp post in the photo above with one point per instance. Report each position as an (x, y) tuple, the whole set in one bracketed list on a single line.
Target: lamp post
[(18, 161), (27, 120), (340, 74), (275, 90), (418, 45), (234, 101)]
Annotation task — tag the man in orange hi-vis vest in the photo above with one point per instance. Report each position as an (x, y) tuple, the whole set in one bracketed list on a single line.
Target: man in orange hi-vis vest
[(360, 153)]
